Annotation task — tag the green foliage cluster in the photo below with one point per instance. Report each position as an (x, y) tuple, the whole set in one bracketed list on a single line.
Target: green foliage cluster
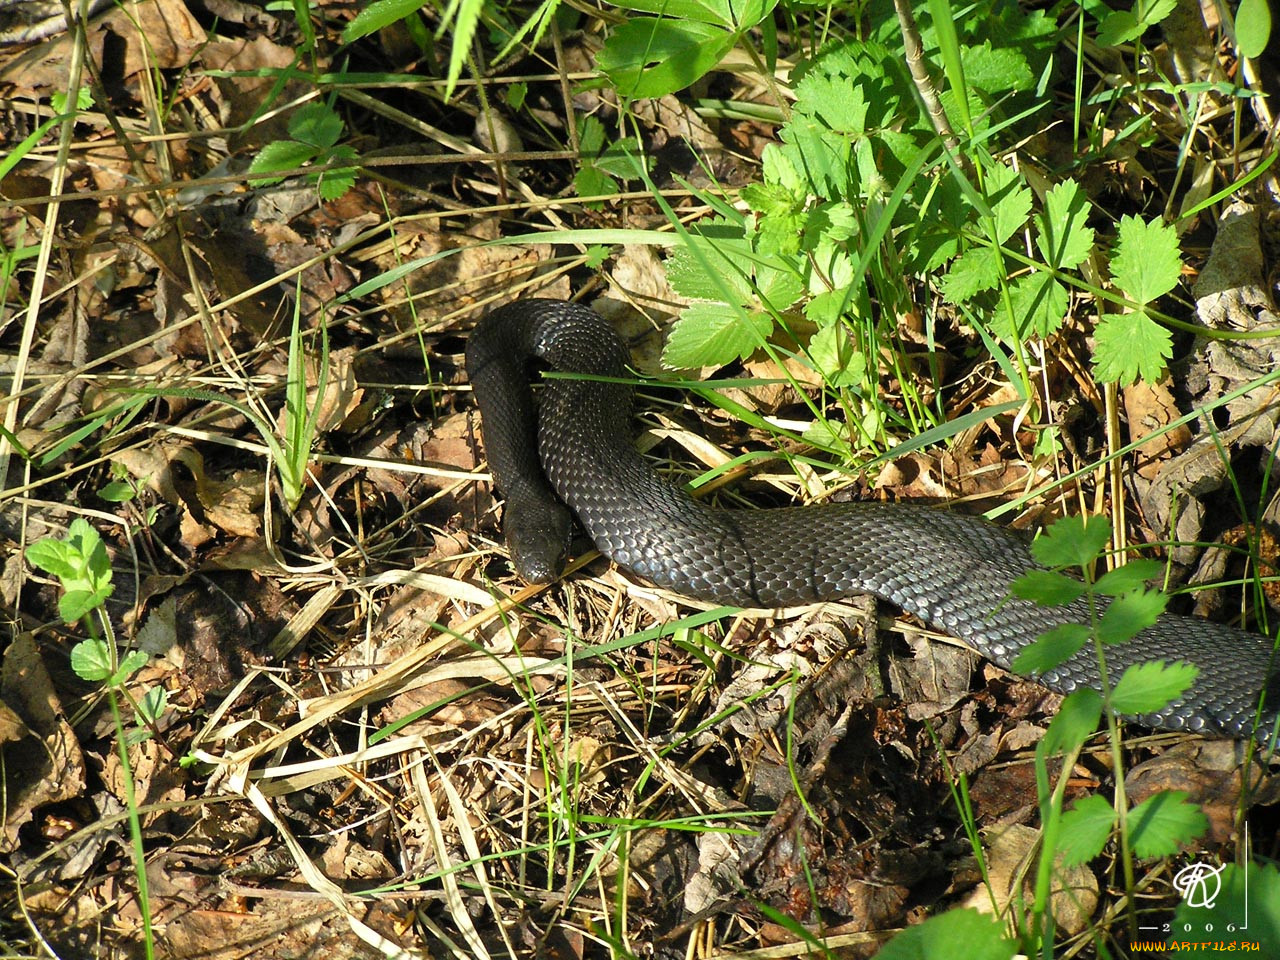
[(82, 566), (603, 162), (1161, 824), (316, 130), (860, 192)]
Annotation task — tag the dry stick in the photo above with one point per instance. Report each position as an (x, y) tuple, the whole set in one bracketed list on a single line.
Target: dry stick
[(56, 179), (924, 82)]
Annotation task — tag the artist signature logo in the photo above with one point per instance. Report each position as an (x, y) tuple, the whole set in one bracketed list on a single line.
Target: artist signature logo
[(1199, 884)]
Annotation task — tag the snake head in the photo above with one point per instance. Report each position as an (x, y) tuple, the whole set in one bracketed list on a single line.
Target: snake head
[(538, 540)]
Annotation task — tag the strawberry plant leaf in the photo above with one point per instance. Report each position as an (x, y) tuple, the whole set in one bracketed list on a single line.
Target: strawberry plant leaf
[(1122, 26), (837, 357), (1047, 587), (316, 124), (1132, 576), (91, 660), (713, 334), (1051, 648), (280, 155)]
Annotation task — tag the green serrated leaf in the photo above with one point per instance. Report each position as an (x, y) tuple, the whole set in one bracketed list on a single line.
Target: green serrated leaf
[(824, 155), (826, 309), (82, 537), (725, 13), (771, 200), (621, 160), (996, 69), (1075, 722), (75, 603), (712, 335), (1010, 200), (97, 569), (336, 182), (1128, 615), (842, 108), (778, 171), (91, 660), (1064, 237), (1148, 687), (1047, 587), (1128, 346), (1039, 305), (1147, 262), (830, 267), (1051, 649), (829, 435), (779, 236), (130, 663), (778, 285), (1164, 822), (465, 21), (590, 181), (1085, 829), (84, 100), (714, 259), (55, 557), (836, 356), (983, 938), (975, 270), (316, 124), (590, 135), (1134, 575), (1125, 25), (1117, 27), (1072, 542), (280, 155), (833, 222)]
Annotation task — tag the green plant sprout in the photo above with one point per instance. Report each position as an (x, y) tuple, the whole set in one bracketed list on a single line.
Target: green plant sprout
[(316, 129), (82, 567)]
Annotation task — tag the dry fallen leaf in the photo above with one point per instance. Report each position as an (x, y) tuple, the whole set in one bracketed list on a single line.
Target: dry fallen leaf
[(45, 766), (1010, 853), (143, 35)]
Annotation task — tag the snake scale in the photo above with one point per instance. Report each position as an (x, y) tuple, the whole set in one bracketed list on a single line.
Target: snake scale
[(570, 455)]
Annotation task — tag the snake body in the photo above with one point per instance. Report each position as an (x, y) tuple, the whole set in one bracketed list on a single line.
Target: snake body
[(574, 448)]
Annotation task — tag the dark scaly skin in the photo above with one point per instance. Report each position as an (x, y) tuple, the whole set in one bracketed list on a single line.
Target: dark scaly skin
[(950, 570)]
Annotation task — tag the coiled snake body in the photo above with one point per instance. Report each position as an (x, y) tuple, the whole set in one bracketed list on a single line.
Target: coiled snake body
[(952, 571)]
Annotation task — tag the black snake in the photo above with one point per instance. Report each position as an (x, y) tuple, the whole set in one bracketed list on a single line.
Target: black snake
[(573, 447)]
